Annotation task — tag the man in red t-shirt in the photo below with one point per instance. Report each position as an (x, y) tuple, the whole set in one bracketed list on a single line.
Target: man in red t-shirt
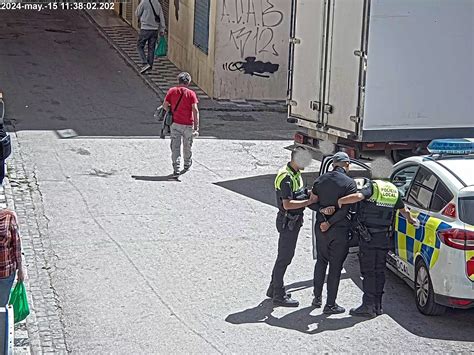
[(182, 102)]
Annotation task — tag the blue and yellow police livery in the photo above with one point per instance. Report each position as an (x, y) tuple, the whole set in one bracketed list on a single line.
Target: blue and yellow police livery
[(437, 259)]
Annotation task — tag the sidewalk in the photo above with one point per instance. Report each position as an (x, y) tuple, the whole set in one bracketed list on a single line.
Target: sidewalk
[(124, 38)]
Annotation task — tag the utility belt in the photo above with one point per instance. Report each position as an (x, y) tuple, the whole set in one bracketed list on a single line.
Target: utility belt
[(361, 231), (290, 220)]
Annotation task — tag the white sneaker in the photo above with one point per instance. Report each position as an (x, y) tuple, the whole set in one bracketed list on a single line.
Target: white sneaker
[(145, 68)]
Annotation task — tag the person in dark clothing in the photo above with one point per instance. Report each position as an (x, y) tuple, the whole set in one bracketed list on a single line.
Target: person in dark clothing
[(152, 22), (377, 203), (3, 134), (332, 233), (292, 198)]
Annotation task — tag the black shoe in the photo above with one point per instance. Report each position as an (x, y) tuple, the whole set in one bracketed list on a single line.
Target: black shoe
[(270, 292), (362, 311), (185, 170), (175, 174), (285, 301), (335, 309), (378, 309), (317, 302)]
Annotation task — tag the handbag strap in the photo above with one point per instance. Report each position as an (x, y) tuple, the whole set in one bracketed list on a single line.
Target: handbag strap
[(179, 101), (154, 12)]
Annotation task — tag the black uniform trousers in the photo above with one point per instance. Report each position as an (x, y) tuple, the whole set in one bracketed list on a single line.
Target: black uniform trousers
[(286, 251), (332, 248), (372, 258)]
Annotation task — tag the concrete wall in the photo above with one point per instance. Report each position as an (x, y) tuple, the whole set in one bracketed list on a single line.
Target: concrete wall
[(181, 50), (252, 49)]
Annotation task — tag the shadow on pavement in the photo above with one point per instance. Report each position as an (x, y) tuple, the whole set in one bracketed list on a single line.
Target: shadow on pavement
[(170, 178), (260, 187), (300, 320), (399, 304)]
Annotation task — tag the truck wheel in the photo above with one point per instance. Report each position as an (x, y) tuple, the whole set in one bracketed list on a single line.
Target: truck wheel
[(424, 294), (398, 155)]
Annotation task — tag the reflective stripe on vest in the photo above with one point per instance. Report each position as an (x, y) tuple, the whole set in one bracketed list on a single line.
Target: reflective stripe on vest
[(384, 194), (296, 179)]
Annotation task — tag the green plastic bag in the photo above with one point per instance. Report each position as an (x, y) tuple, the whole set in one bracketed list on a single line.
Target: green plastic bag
[(162, 47), (19, 301)]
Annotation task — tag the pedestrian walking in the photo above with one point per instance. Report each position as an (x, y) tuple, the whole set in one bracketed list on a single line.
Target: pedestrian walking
[(152, 21), (377, 203), (332, 233), (182, 103), (3, 135), (10, 254), (292, 198)]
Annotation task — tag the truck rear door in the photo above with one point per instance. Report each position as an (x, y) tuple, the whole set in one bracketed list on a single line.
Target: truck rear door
[(327, 64), (304, 82), (345, 70)]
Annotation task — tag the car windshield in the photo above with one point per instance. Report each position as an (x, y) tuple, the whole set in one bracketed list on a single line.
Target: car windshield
[(466, 210)]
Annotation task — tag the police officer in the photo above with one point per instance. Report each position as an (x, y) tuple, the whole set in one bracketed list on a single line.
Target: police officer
[(292, 198), (378, 201), (332, 233)]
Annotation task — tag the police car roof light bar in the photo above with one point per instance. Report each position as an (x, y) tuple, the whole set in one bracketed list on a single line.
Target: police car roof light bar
[(461, 146)]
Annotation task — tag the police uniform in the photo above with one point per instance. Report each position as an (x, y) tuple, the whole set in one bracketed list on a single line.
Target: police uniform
[(288, 186), (376, 213), (333, 245)]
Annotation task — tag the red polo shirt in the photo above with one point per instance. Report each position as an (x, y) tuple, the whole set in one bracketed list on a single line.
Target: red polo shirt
[(184, 114)]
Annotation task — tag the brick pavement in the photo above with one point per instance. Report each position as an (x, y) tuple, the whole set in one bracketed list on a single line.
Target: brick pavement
[(124, 38), (42, 332)]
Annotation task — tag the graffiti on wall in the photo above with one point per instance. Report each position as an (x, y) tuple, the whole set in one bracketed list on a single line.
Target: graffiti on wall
[(252, 67), (252, 25)]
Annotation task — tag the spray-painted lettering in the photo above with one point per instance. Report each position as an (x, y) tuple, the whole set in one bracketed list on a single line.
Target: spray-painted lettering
[(252, 25)]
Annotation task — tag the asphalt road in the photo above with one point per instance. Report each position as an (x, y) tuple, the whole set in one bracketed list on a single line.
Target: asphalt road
[(149, 265)]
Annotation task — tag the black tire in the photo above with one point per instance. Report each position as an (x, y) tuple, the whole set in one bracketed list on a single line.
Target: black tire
[(399, 155), (424, 294)]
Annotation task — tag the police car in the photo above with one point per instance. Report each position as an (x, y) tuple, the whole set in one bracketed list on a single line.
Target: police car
[(437, 259)]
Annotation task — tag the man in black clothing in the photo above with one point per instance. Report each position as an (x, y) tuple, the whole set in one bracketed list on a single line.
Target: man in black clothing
[(332, 233), (292, 198), (377, 203)]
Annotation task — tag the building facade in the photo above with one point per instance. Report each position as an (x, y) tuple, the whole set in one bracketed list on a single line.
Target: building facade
[(234, 49)]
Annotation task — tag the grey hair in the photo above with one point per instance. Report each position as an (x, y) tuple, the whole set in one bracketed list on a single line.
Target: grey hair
[(184, 78)]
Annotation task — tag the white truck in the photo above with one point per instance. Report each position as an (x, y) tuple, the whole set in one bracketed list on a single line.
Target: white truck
[(381, 75)]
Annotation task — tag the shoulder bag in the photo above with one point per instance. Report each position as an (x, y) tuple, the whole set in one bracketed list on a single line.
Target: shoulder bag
[(157, 18)]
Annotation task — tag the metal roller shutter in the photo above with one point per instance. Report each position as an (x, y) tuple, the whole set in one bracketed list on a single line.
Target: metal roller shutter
[(201, 25), (165, 4)]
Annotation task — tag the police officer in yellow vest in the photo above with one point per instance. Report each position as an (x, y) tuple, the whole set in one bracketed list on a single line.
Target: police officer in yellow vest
[(292, 198), (377, 203)]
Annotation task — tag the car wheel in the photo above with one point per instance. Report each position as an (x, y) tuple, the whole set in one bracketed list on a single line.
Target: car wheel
[(424, 294)]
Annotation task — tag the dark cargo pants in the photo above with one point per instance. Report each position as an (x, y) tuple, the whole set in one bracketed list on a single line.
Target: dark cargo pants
[(150, 37), (332, 248), (286, 251)]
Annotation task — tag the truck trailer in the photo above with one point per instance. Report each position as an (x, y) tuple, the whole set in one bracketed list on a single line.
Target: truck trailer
[(384, 76)]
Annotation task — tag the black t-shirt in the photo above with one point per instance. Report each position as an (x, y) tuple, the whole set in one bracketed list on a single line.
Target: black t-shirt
[(330, 187), (367, 190)]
